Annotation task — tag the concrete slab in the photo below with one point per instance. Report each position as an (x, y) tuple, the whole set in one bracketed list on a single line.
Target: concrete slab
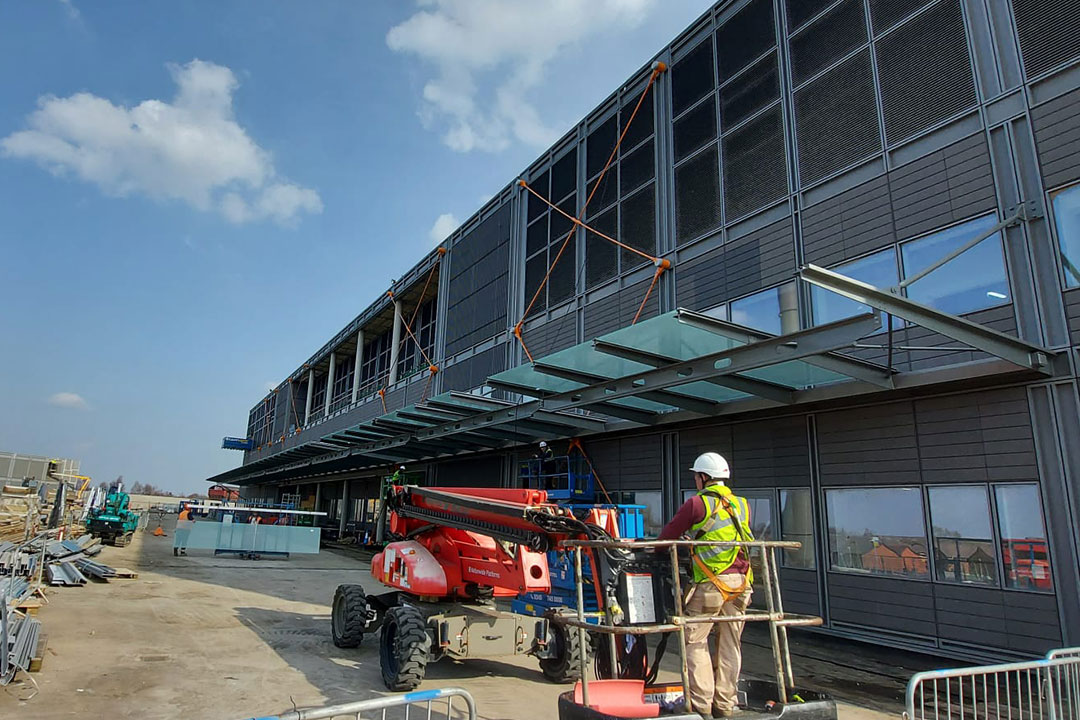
[(223, 638)]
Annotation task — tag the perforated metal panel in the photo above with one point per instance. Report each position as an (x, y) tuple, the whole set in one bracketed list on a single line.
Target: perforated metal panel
[(599, 144), (563, 279), (601, 258), (536, 236), (638, 226), (637, 168), (694, 129), (642, 127), (827, 39), (697, 196), (836, 119), (1049, 34), (534, 274), (564, 176), (744, 37), (886, 13), (925, 71), (559, 224), (606, 193), (799, 11), (751, 91), (755, 165), (542, 186), (692, 77), (479, 269)]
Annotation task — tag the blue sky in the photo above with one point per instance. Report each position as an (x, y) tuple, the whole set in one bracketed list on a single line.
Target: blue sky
[(195, 196)]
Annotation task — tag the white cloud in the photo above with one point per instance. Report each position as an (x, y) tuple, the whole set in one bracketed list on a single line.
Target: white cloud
[(191, 149), (73, 12), (444, 225), (68, 400), (504, 47)]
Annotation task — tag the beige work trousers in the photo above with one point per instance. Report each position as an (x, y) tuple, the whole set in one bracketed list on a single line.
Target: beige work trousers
[(714, 681)]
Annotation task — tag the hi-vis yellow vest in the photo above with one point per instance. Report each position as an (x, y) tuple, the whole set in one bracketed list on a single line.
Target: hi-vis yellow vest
[(720, 525)]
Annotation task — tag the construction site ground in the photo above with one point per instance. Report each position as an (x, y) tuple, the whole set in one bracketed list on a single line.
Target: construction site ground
[(218, 637)]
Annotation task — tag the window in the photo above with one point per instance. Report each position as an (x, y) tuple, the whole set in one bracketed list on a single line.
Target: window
[(971, 281), (654, 510), (1067, 221), (878, 270), (963, 540), (762, 311), (877, 531), (761, 524), (797, 525), (1025, 553)]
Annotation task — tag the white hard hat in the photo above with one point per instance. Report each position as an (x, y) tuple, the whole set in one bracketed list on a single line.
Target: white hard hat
[(543, 443), (712, 464)]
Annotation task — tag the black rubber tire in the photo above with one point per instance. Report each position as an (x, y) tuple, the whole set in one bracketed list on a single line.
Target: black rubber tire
[(404, 648), (349, 616), (565, 666)]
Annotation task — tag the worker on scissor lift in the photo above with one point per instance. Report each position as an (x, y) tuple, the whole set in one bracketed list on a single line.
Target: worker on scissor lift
[(722, 584)]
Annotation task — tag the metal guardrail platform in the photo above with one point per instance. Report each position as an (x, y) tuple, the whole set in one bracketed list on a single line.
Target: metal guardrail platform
[(420, 704)]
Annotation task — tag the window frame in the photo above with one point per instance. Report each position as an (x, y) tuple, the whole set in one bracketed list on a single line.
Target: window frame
[(998, 583), (930, 570), (813, 550), (1063, 273), (996, 522)]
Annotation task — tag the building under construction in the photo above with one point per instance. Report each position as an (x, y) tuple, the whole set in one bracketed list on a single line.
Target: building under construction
[(837, 242)]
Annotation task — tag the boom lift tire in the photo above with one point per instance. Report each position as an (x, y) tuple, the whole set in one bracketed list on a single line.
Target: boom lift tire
[(350, 615), (404, 648), (565, 666)]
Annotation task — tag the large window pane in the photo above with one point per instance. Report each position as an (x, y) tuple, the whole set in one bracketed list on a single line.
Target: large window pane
[(797, 525), (1067, 220), (963, 541), (654, 509), (775, 310), (877, 531), (971, 281), (878, 270), (760, 514), (1024, 550)]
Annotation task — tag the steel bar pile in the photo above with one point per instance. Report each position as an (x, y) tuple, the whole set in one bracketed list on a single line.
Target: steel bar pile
[(94, 569), (65, 573), (19, 641)]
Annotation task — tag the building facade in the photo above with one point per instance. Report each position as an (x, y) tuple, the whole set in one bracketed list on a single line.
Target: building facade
[(932, 147)]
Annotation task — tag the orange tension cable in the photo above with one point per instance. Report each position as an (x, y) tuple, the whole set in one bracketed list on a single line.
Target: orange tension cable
[(661, 266)]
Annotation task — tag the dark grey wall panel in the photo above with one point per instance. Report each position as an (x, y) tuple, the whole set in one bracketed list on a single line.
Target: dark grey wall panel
[(1001, 318), (976, 437), (1024, 623), (852, 223), (1047, 30), (1072, 312), (631, 463), (618, 309), (552, 336), (901, 606), (699, 283), (693, 442), (479, 272), (771, 453), (472, 372), (866, 446), (474, 472), (951, 184), (800, 591), (1057, 136)]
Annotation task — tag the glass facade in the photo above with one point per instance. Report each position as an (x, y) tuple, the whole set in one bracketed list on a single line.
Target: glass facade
[(1067, 222), (878, 531), (1025, 553), (963, 540), (797, 525), (879, 269)]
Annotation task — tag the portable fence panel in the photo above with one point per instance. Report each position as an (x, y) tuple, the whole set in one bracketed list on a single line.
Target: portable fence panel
[(442, 704)]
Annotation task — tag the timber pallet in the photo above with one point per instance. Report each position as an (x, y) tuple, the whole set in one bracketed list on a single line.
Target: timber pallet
[(30, 606), (126, 573), (39, 654)]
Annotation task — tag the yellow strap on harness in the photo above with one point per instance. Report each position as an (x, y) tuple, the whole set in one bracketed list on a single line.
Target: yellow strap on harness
[(726, 592)]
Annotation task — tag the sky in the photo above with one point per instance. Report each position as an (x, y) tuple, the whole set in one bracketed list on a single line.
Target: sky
[(195, 196)]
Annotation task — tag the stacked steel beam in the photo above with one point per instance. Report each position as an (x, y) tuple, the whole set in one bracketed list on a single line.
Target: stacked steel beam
[(18, 641)]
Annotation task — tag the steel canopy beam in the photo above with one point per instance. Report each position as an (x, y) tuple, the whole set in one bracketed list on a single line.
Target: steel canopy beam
[(969, 333), (643, 417), (705, 407)]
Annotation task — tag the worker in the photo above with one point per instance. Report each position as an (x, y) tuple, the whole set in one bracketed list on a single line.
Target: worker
[(722, 584), (547, 466), (184, 521)]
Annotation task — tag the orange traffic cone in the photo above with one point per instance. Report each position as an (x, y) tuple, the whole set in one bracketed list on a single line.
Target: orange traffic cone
[(159, 532)]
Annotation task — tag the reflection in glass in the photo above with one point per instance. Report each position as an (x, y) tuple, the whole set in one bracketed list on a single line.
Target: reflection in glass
[(760, 311), (1024, 550), (971, 281), (654, 510), (797, 525), (878, 270), (963, 541), (1067, 221), (877, 531)]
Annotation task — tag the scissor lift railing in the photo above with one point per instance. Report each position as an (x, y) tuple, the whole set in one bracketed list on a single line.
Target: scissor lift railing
[(774, 615)]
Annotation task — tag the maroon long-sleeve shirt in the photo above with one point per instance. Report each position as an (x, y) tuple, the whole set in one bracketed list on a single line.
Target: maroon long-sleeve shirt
[(690, 513)]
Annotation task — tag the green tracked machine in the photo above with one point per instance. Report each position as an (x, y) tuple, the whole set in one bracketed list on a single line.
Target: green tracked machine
[(113, 522)]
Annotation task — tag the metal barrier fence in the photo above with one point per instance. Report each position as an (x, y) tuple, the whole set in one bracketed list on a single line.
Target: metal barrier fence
[(1047, 689), (421, 704)]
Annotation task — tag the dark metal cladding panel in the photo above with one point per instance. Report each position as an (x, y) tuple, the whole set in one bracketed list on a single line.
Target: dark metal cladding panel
[(762, 258), (744, 37), (1048, 32), (473, 472), (899, 606), (697, 196), (836, 119), (701, 283), (1072, 313), (695, 129), (604, 456), (602, 316), (1001, 318), (925, 71), (599, 144), (536, 236), (563, 176), (643, 124), (637, 168), (604, 191), (638, 227), (542, 186), (771, 453), (552, 336), (886, 13), (800, 11), (874, 445), (751, 91), (692, 77), (827, 39), (755, 165), (563, 280), (477, 293), (632, 298), (799, 590), (698, 440), (1057, 135), (535, 270), (951, 184), (850, 224), (471, 373), (640, 460), (618, 309), (601, 255)]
